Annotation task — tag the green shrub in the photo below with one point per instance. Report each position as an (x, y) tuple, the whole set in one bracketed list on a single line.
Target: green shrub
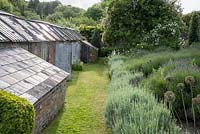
[(96, 39), (77, 67), (135, 110), (115, 63), (164, 34), (194, 28), (131, 108), (16, 115), (105, 51)]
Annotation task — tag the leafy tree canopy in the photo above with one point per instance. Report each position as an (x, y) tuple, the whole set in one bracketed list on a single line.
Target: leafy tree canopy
[(129, 20), (95, 12), (194, 28), (6, 6)]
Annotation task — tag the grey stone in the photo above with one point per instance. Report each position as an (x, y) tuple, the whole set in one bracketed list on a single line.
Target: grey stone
[(9, 69), (33, 81), (12, 91), (3, 72), (43, 75), (25, 84), (30, 98), (36, 77), (9, 59), (20, 75), (3, 62), (3, 84), (8, 79), (38, 91), (50, 82), (18, 88)]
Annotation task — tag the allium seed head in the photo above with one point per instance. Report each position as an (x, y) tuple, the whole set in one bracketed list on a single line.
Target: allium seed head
[(195, 101), (189, 80), (198, 98), (169, 96), (180, 86), (169, 79)]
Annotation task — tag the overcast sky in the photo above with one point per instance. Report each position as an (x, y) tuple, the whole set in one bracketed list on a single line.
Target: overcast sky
[(188, 5)]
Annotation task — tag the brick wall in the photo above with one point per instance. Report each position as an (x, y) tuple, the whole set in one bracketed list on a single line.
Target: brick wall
[(48, 107)]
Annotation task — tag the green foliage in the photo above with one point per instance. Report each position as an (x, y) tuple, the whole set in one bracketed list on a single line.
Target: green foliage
[(50, 7), (18, 6), (96, 39), (69, 11), (164, 35), (194, 28), (55, 17), (147, 63), (82, 20), (16, 115), (6, 6), (169, 76), (43, 8), (77, 67), (31, 15), (142, 16), (87, 31), (133, 109), (163, 71), (91, 33), (33, 4), (186, 19), (95, 12), (105, 51)]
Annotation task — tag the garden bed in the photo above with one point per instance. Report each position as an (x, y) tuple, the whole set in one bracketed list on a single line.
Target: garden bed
[(153, 86)]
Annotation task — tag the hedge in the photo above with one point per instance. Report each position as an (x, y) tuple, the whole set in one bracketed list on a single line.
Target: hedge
[(77, 67), (16, 114)]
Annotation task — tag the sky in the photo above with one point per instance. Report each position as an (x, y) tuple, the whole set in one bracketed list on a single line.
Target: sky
[(190, 5), (78, 3), (187, 5)]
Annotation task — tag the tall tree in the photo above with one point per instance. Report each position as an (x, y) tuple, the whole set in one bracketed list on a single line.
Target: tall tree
[(19, 6), (128, 21), (70, 11), (96, 39), (194, 28), (95, 12), (6, 6), (33, 4)]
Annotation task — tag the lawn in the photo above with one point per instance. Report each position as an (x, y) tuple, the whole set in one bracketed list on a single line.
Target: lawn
[(84, 105)]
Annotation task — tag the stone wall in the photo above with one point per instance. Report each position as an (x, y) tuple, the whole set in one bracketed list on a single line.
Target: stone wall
[(49, 106)]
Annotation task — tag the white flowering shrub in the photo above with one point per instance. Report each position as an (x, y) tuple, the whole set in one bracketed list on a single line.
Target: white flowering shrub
[(164, 35)]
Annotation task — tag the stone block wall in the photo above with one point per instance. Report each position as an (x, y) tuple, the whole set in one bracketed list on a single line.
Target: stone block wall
[(48, 107)]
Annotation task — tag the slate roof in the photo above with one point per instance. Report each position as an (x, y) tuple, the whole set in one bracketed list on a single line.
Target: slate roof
[(15, 29), (26, 75)]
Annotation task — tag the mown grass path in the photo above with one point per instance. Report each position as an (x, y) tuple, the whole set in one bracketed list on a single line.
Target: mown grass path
[(85, 102)]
